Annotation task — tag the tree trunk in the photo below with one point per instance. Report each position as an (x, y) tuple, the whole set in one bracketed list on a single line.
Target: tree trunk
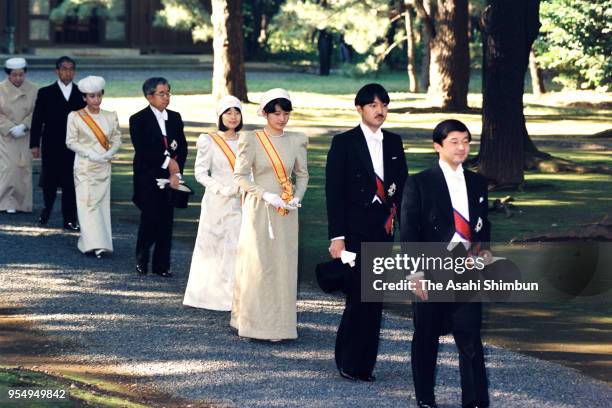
[(429, 10), (228, 54), (537, 83), (509, 28), (410, 45), (325, 45), (449, 69), (253, 50)]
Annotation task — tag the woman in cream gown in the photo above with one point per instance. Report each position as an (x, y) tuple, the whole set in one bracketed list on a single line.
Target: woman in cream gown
[(265, 292), (92, 165), (211, 277), (17, 97)]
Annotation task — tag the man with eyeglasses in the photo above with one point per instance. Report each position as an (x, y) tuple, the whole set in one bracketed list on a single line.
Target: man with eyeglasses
[(53, 104), (160, 151)]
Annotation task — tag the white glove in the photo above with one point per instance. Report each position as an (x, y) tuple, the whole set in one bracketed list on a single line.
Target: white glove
[(274, 200), (96, 157), (18, 131), (229, 191), (294, 203), (107, 156)]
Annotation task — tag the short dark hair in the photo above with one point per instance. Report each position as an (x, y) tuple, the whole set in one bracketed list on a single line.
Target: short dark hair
[(62, 59), (444, 128), (8, 70), (369, 92), (84, 94), (284, 103), (223, 128), (148, 87)]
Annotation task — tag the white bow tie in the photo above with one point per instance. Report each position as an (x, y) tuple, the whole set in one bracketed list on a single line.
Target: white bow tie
[(161, 115), (378, 137)]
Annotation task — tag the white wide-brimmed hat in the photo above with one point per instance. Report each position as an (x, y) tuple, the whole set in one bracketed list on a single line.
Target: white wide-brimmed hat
[(228, 101), (15, 63), (272, 94), (91, 84)]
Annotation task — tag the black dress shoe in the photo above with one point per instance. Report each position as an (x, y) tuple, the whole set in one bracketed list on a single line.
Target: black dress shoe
[(423, 404), (141, 269), (163, 274), (71, 226), (44, 216), (346, 375), (367, 378)]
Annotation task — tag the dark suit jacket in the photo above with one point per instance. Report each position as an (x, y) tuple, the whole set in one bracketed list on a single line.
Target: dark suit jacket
[(427, 212), (49, 126), (149, 153), (350, 184)]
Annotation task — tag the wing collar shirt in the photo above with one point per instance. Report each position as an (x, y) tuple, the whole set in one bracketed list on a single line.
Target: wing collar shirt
[(66, 89), (455, 181), (162, 117)]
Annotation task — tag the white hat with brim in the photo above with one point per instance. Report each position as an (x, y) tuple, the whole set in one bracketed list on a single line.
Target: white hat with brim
[(272, 94), (15, 63), (91, 84), (226, 103)]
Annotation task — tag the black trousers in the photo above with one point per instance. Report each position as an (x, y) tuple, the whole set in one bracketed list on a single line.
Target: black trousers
[(464, 321), (69, 207), (358, 334), (155, 230)]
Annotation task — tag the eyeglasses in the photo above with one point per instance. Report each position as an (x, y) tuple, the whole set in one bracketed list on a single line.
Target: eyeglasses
[(162, 94)]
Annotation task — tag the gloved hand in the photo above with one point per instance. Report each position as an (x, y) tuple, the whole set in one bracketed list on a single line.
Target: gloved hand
[(294, 203), (274, 200), (107, 156), (18, 131), (229, 191), (96, 157)]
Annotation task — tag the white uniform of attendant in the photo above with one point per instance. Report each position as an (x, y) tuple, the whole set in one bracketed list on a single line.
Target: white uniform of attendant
[(265, 293), (92, 171), (211, 277), (16, 107)]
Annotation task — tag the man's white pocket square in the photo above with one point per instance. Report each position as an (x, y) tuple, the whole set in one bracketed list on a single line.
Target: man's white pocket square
[(394, 157), (481, 199)]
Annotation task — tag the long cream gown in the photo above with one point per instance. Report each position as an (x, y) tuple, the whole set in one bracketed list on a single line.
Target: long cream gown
[(211, 277), (265, 292), (92, 180), (16, 107)]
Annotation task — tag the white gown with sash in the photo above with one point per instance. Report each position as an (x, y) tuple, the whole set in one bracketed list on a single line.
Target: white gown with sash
[(92, 180), (211, 277)]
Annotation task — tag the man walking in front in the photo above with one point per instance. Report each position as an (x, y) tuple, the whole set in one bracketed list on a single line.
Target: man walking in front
[(160, 151), (365, 174), (448, 204), (53, 104)]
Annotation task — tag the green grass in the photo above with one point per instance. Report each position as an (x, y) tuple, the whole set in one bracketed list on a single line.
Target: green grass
[(79, 391)]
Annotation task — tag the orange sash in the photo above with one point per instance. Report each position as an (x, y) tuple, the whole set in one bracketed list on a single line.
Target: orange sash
[(279, 169), (91, 123), (227, 151)]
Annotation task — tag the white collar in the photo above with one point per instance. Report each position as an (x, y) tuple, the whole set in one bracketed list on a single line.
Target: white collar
[(159, 115), (367, 132), (448, 170), (63, 86)]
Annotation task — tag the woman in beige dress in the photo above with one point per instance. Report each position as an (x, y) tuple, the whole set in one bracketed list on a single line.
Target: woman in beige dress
[(93, 134), (265, 291), (211, 277), (17, 97)]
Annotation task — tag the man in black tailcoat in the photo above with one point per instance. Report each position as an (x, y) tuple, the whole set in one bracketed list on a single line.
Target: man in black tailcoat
[(365, 174), (448, 204), (53, 104), (160, 151)]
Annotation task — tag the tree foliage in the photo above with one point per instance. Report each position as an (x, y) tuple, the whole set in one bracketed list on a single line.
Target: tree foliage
[(576, 42), (362, 24), (188, 15), (83, 9)]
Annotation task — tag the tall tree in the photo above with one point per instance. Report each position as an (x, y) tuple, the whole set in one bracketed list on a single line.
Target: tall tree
[(410, 46), (509, 28), (537, 82), (226, 31), (449, 72), (228, 55)]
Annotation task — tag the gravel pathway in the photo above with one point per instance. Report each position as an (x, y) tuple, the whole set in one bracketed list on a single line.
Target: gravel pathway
[(111, 316)]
